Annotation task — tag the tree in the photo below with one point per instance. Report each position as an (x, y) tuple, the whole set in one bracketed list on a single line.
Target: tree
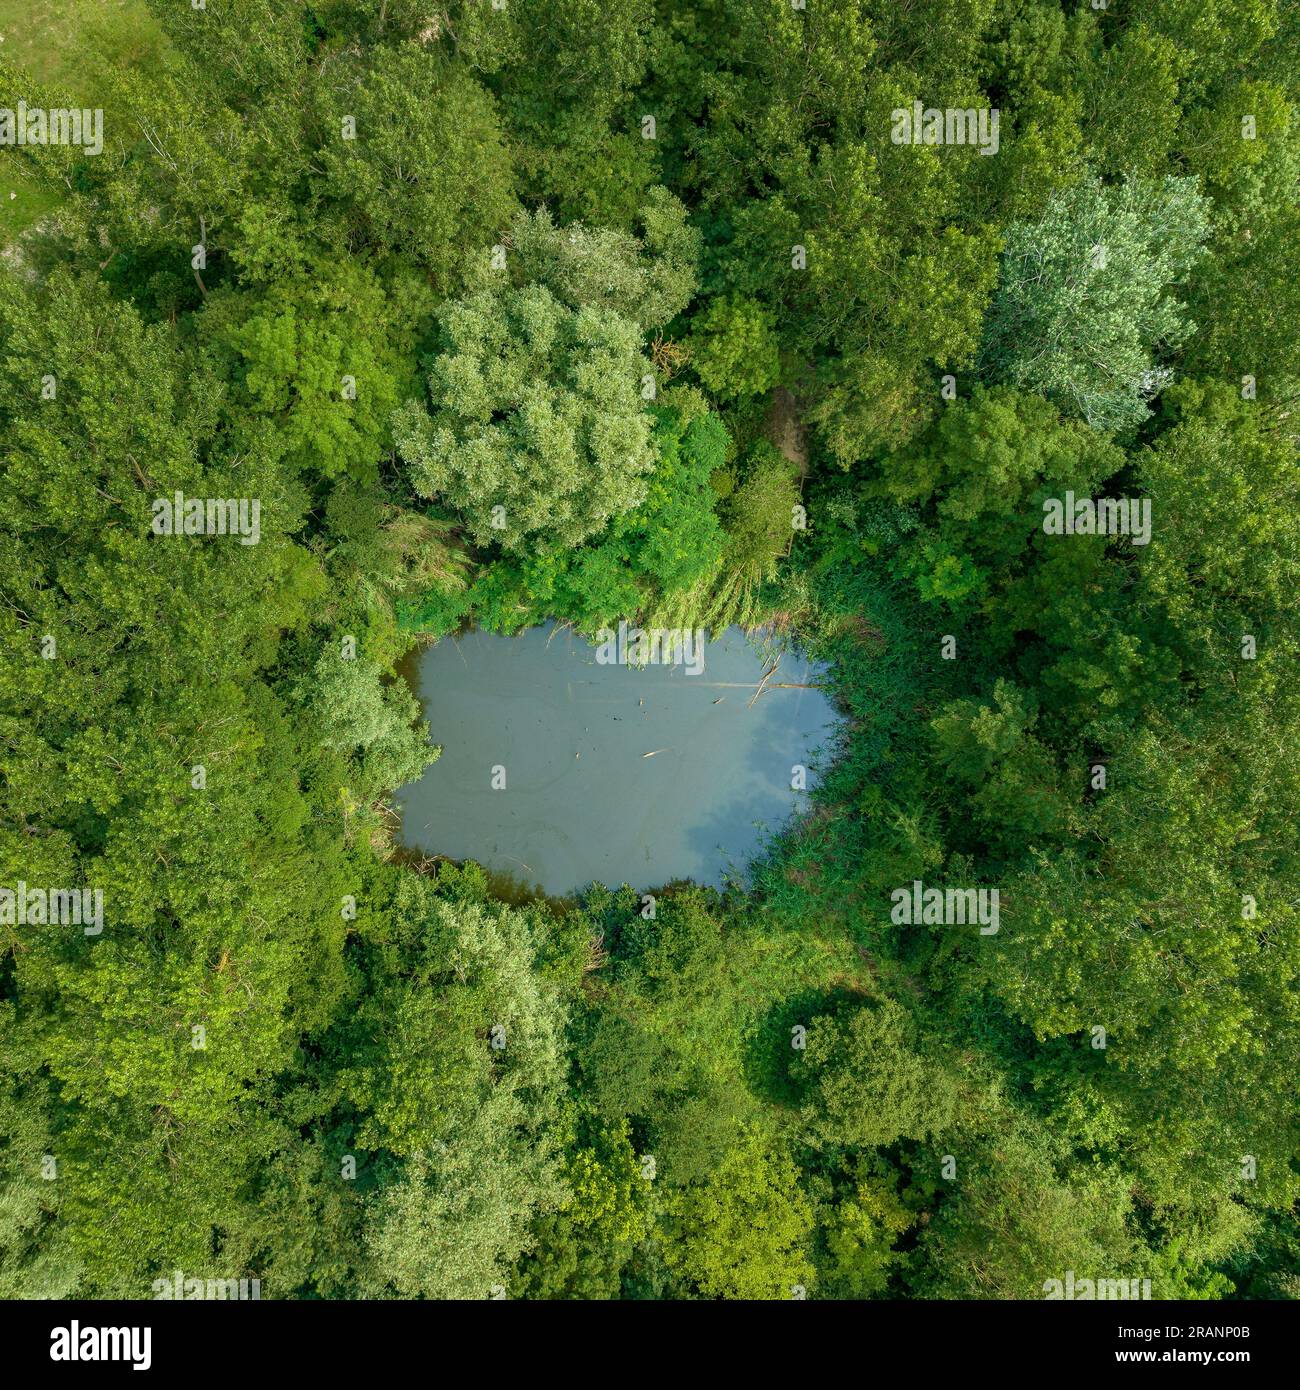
[(454, 1057), (758, 519), (1019, 1216), (1011, 777), (536, 429), (326, 356), (567, 87), (1086, 297), (647, 279), (734, 348), (175, 797), (858, 1235), (744, 1231), (453, 1224), (864, 1084), (357, 714), (674, 537), (1225, 553), (427, 172), (36, 1255)]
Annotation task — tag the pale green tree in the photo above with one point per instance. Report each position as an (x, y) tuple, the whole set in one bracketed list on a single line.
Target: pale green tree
[(1086, 300), (537, 428)]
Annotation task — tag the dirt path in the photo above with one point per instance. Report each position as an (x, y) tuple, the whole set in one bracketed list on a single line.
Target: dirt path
[(785, 429)]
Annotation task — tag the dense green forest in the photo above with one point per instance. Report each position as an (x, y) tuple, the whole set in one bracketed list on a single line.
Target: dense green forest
[(798, 315)]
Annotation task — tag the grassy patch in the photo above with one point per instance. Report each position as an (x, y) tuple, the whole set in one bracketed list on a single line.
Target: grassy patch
[(54, 39), (65, 45), (22, 201)]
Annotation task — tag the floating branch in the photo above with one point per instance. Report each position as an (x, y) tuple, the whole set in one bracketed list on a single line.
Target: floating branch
[(767, 676)]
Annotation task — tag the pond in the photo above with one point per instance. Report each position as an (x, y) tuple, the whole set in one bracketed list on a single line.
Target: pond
[(563, 763)]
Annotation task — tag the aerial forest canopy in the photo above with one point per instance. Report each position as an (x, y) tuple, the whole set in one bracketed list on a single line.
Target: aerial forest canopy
[(957, 342)]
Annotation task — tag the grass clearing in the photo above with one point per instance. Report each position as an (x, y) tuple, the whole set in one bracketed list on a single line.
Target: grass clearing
[(63, 44)]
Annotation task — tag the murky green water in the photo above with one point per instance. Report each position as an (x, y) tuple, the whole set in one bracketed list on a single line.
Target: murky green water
[(544, 774)]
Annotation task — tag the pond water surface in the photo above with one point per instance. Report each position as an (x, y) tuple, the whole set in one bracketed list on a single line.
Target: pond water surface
[(568, 735)]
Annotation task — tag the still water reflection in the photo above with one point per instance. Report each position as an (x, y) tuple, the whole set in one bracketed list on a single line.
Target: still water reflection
[(570, 736)]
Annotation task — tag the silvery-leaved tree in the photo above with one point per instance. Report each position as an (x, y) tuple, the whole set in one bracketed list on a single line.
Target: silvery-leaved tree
[(536, 427), (1086, 302)]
